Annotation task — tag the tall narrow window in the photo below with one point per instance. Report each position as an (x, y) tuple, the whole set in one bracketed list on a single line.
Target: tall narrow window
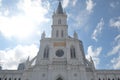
[(118, 78), (72, 52), (46, 52), (62, 33), (57, 33), (59, 21), (19, 79)]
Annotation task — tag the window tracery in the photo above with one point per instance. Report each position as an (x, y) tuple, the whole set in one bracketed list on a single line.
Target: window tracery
[(46, 52), (72, 52)]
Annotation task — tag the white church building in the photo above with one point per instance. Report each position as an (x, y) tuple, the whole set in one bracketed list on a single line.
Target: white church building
[(60, 57)]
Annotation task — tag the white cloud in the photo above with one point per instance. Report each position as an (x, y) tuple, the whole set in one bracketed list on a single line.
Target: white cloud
[(65, 3), (6, 12), (115, 51), (74, 2), (94, 53), (116, 48), (98, 29), (80, 19), (90, 5), (114, 4), (116, 62), (0, 3), (115, 22), (25, 23), (10, 58), (117, 38)]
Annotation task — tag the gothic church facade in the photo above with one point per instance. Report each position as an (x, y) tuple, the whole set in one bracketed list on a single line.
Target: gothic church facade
[(60, 57)]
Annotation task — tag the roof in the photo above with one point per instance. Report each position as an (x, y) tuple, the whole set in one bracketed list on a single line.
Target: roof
[(59, 8)]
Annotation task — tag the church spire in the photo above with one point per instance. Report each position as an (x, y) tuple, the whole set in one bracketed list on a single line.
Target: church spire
[(59, 8), (59, 25)]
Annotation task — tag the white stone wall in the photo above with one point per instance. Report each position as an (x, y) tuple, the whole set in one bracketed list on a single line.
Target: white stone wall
[(108, 74), (11, 75)]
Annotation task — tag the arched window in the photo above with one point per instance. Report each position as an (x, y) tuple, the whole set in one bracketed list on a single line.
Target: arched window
[(113, 79), (0, 79), (9, 78), (72, 52), (62, 33), (5, 78), (59, 78), (108, 78), (46, 52), (57, 33), (59, 21), (99, 79)]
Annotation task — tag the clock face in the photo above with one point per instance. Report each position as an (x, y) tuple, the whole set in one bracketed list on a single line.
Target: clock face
[(59, 53)]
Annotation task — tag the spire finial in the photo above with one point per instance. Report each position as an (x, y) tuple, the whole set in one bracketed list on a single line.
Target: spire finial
[(75, 35), (59, 0), (59, 9), (43, 35)]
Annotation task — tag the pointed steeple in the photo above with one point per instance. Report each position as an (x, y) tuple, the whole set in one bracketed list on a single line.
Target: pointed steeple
[(59, 25), (59, 8)]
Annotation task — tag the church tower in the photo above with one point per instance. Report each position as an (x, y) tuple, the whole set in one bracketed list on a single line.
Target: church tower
[(60, 57), (59, 25), (60, 47)]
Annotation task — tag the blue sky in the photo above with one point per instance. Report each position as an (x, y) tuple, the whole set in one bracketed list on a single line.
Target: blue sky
[(97, 23)]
